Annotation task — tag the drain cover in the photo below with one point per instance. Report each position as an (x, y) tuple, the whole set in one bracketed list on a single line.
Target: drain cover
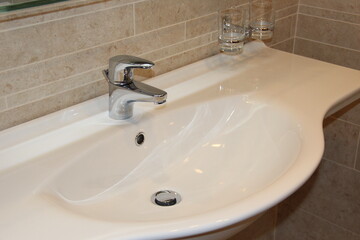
[(166, 198)]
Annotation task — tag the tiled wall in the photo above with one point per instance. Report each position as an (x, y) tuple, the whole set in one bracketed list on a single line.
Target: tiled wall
[(285, 22), (54, 60), (329, 30)]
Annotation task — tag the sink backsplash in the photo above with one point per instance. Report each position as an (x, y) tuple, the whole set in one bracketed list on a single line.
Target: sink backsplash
[(53, 59)]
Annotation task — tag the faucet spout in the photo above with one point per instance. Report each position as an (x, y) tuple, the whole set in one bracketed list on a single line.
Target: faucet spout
[(125, 92)]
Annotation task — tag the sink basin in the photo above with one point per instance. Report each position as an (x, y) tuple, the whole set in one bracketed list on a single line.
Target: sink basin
[(237, 136), (183, 151)]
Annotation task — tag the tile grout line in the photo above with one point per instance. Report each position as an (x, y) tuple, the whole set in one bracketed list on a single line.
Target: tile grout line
[(328, 9), (330, 19), (286, 8), (357, 150), (52, 95), (328, 44), (296, 27), (323, 219), (206, 15), (63, 8), (134, 20), (341, 165), (276, 221), (216, 37), (6, 103), (283, 18), (67, 17), (177, 23), (342, 120), (287, 39), (161, 28), (58, 80), (185, 29), (187, 50)]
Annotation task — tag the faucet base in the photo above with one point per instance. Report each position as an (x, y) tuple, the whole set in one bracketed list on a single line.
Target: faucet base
[(120, 108)]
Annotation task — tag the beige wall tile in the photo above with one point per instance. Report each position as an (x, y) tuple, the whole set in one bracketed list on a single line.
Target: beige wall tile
[(284, 12), (3, 104), (295, 224), (155, 39), (58, 8), (286, 45), (38, 42), (340, 5), (53, 13), (335, 15), (153, 14), (51, 104), (34, 75), (34, 94), (178, 48), (328, 31), (185, 58), (283, 30), (262, 229), (357, 164), (324, 52), (294, 25), (333, 194), (340, 141), (224, 4), (215, 36), (279, 4), (202, 25), (173, 51)]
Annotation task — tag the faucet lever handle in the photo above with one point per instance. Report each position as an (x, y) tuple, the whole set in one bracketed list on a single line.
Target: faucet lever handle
[(120, 68)]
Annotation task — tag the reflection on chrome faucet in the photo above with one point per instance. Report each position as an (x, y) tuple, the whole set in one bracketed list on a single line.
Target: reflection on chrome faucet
[(124, 91)]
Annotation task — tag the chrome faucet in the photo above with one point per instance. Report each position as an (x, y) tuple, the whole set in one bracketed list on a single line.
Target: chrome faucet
[(124, 91)]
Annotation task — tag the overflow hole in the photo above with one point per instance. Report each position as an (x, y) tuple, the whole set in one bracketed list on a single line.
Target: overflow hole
[(140, 138)]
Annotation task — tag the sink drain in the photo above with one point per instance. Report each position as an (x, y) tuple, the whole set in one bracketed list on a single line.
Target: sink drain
[(166, 198)]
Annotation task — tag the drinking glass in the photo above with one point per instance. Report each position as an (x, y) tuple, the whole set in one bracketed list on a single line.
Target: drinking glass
[(233, 24), (261, 19)]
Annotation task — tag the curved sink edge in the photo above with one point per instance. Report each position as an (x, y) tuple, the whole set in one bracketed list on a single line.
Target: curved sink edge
[(342, 102)]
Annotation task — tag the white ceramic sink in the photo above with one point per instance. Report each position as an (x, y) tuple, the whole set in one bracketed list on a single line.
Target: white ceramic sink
[(237, 136)]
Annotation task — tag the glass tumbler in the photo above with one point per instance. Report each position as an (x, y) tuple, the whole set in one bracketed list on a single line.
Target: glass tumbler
[(262, 19), (233, 24)]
